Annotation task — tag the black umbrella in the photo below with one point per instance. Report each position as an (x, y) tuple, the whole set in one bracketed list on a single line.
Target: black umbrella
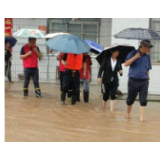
[(123, 52), (138, 33)]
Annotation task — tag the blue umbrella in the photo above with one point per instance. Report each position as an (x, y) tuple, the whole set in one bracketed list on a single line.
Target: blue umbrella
[(12, 41), (95, 47), (68, 44)]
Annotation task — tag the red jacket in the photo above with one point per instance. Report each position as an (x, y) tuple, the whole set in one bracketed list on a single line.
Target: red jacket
[(62, 68), (88, 63), (32, 60)]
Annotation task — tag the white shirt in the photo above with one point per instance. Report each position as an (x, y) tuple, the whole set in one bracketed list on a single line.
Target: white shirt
[(113, 64)]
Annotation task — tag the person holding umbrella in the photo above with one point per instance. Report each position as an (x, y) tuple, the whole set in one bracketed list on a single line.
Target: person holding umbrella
[(140, 64), (9, 43), (30, 54), (73, 60), (110, 66), (62, 69), (73, 63)]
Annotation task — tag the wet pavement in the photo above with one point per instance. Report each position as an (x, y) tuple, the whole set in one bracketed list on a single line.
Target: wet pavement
[(29, 119)]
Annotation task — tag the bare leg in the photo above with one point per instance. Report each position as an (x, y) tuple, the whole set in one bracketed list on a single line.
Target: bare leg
[(104, 104), (112, 106), (142, 110), (129, 108)]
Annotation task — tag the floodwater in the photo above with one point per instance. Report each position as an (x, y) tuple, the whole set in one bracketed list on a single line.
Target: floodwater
[(31, 119)]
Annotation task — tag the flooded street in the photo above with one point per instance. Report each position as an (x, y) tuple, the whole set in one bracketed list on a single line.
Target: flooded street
[(28, 119)]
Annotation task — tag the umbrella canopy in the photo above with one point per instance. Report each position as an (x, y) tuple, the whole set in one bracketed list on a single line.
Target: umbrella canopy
[(35, 33), (138, 33), (51, 35), (11, 40), (124, 50), (95, 47), (68, 44)]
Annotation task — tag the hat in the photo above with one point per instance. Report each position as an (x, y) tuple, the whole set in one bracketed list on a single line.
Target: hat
[(146, 43), (30, 38)]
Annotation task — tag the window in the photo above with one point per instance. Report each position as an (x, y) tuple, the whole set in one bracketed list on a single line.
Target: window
[(85, 28), (90, 32), (74, 29), (155, 51)]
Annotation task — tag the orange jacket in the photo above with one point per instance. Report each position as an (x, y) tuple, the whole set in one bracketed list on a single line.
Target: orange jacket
[(74, 61)]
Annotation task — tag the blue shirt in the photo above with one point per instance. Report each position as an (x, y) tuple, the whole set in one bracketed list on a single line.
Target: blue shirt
[(138, 69)]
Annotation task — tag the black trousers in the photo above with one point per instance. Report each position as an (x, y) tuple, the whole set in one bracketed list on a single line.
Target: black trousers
[(28, 73), (61, 79), (110, 90), (8, 65), (135, 87), (71, 80)]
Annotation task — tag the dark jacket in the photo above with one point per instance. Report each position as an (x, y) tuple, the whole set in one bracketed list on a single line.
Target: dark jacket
[(8, 55), (106, 69)]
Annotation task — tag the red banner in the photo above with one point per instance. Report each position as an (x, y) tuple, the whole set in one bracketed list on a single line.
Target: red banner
[(8, 21), (8, 26)]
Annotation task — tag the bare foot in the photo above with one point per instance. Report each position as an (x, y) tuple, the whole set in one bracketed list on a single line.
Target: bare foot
[(141, 119), (128, 116), (104, 105), (111, 109)]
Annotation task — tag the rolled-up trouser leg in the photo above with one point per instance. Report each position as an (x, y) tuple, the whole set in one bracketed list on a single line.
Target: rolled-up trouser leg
[(114, 87), (133, 88), (106, 91), (143, 92)]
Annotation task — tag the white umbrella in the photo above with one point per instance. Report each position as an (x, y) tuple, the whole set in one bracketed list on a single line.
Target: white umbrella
[(51, 35), (35, 33)]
